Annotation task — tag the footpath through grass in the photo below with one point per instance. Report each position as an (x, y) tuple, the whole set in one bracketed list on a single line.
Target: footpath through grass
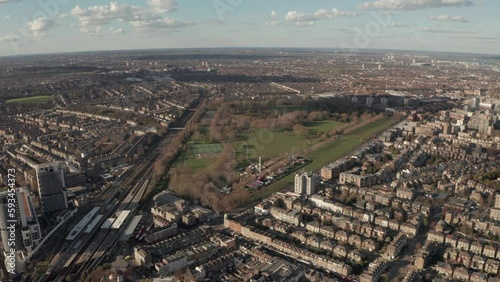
[(329, 153)]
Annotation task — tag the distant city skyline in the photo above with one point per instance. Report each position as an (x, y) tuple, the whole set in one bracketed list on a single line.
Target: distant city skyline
[(55, 26)]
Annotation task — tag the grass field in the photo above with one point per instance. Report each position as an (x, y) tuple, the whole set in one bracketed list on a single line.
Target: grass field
[(26, 100), (188, 157), (345, 144), (269, 144), (323, 126), (254, 144), (197, 164), (331, 152)]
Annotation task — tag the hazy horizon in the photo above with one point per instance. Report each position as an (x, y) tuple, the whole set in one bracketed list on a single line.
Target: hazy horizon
[(57, 26)]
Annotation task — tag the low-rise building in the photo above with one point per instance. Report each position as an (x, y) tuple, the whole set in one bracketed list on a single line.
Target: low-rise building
[(396, 246)]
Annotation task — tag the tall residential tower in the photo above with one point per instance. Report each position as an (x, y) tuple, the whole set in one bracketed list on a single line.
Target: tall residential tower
[(51, 187), (304, 184)]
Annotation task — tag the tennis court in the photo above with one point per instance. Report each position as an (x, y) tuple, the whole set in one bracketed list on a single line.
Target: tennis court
[(206, 148)]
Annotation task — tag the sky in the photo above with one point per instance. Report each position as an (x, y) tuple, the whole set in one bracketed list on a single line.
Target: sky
[(52, 26)]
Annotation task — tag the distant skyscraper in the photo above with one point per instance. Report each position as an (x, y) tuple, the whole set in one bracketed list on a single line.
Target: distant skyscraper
[(51, 187), (304, 184)]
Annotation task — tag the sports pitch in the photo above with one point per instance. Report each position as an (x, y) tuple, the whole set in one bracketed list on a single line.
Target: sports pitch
[(206, 148)]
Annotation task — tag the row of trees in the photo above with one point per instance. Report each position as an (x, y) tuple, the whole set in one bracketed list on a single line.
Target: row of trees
[(174, 147), (236, 117)]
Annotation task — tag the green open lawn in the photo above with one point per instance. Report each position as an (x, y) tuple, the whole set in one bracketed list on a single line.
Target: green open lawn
[(323, 126), (251, 145), (345, 144), (267, 144), (198, 164), (188, 160), (33, 99), (331, 152)]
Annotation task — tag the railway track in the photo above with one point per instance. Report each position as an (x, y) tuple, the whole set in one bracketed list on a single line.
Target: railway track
[(94, 247)]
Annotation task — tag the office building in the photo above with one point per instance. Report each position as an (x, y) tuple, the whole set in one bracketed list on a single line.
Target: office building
[(304, 184), (51, 187)]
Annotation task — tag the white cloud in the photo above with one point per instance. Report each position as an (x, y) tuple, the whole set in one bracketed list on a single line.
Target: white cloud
[(432, 30), (99, 31), (274, 23), (413, 4), (162, 23), (99, 15), (137, 17), (295, 16), (7, 17), (117, 31), (308, 19), (39, 26), (447, 18), (92, 31), (398, 25), (307, 23), (163, 6), (10, 38)]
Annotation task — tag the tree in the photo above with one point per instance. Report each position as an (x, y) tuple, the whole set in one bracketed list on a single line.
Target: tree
[(425, 222), (300, 130)]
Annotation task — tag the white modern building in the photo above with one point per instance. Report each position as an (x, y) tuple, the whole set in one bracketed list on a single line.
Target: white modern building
[(305, 184)]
